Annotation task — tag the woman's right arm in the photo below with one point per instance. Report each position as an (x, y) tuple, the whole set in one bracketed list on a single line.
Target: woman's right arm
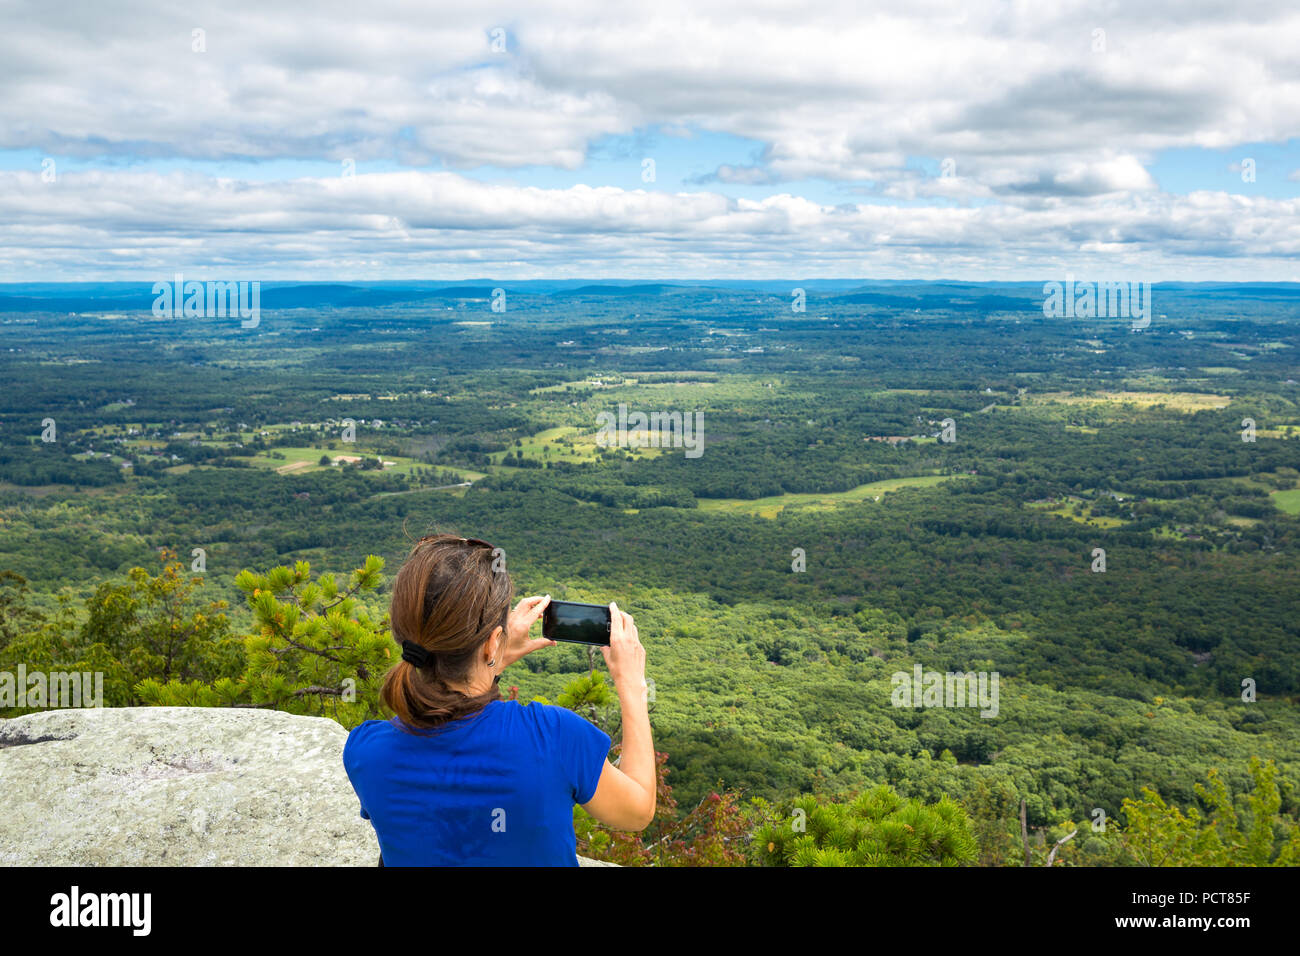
[(625, 795)]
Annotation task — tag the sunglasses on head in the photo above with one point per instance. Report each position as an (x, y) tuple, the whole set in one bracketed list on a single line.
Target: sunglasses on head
[(478, 542)]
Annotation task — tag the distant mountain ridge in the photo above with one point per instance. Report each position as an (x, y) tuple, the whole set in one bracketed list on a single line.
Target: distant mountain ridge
[(901, 294)]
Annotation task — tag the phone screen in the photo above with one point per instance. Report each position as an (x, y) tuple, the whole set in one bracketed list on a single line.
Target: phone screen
[(576, 622)]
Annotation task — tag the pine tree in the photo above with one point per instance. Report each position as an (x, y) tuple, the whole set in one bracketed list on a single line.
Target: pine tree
[(152, 628), (877, 828), (316, 649)]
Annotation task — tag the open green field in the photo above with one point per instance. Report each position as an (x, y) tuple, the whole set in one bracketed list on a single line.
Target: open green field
[(1066, 509), (647, 393), (1285, 430), (567, 443), (772, 506), (581, 384), (1183, 401), (564, 443), (290, 460), (1288, 501)]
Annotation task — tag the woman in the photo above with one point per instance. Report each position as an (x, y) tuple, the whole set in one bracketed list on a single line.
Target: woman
[(460, 776)]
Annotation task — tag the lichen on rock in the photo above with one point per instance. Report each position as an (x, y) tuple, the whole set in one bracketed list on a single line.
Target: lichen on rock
[(179, 786)]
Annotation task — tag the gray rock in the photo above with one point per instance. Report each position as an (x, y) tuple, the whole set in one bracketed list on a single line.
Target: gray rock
[(179, 786)]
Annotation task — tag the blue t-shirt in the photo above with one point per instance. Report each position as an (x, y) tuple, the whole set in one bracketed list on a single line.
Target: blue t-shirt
[(496, 788)]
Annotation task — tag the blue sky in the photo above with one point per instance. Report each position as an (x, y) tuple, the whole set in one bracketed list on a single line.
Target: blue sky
[(684, 164)]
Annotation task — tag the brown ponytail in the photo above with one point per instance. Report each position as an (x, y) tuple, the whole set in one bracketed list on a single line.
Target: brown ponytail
[(448, 599)]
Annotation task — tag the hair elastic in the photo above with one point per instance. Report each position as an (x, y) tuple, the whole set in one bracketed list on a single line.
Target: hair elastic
[(413, 653)]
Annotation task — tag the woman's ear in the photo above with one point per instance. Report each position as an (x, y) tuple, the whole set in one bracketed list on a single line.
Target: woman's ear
[(494, 644)]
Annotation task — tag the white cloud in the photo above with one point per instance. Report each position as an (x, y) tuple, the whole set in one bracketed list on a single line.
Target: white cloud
[(444, 225), (1051, 141), (834, 89)]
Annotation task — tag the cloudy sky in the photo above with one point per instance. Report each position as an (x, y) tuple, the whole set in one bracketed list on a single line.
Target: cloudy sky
[(384, 139)]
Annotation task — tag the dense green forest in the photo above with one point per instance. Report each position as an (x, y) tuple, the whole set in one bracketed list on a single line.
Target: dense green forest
[(931, 475)]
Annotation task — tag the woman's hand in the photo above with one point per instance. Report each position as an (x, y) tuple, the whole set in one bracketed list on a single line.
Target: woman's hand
[(625, 657), (521, 619)]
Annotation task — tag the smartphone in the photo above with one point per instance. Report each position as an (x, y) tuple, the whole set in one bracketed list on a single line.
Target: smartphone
[(576, 622)]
